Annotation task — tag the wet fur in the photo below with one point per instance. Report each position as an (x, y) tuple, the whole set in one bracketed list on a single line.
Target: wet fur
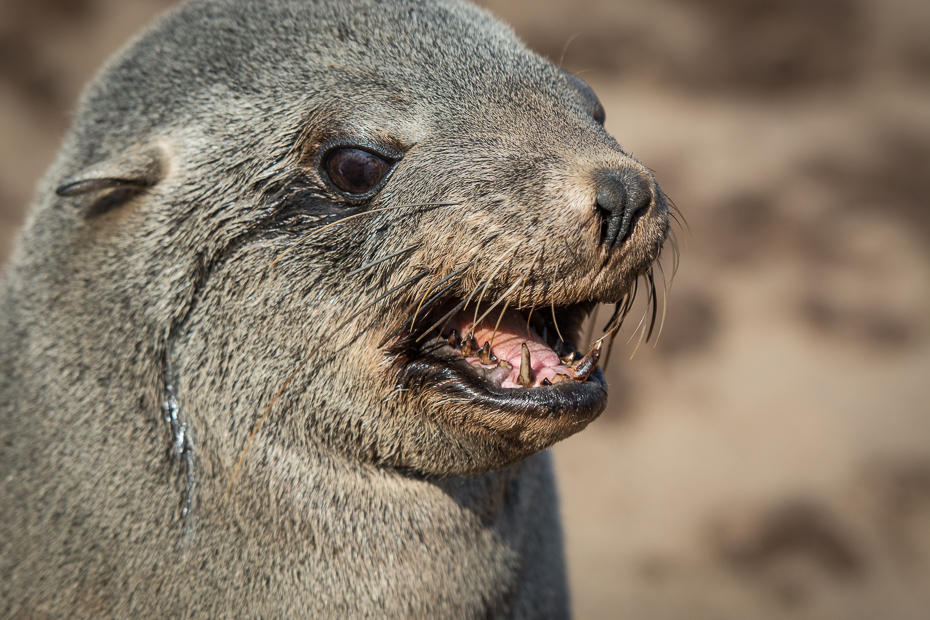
[(145, 325)]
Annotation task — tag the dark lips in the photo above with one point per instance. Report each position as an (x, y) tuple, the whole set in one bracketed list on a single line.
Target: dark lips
[(581, 401), (525, 374)]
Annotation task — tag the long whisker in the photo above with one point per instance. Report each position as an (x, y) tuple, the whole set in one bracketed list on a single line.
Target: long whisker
[(406, 283), (640, 341), (377, 262), (555, 321), (520, 280), (590, 336), (429, 289), (676, 254), (435, 284), (432, 300), (500, 299), (446, 317), (264, 416), (316, 231), (528, 318), (628, 304), (621, 311), (665, 285), (678, 213), (565, 47), (261, 421), (524, 278), (653, 301), (491, 279), (610, 347), (642, 321)]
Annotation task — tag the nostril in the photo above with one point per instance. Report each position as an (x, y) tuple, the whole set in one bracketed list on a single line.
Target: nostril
[(623, 195)]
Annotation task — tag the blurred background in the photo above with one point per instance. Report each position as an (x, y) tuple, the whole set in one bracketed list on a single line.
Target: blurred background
[(770, 456)]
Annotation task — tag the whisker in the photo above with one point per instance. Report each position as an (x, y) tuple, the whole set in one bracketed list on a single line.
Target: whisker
[(410, 321), (558, 332), (640, 341), (491, 279), (406, 283), (499, 319), (445, 318), (565, 48), (501, 298), (621, 311), (261, 421), (676, 254), (375, 263), (642, 323), (665, 285), (524, 278), (429, 289), (521, 280), (652, 301), (679, 214), (610, 347), (590, 334), (316, 231), (264, 416)]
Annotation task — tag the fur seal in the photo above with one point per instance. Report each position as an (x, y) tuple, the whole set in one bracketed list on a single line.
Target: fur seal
[(244, 363)]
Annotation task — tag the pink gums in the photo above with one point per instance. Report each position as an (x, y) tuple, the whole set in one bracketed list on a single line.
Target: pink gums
[(507, 345)]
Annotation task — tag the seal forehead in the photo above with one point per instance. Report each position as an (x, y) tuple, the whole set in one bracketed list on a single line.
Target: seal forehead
[(211, 56)]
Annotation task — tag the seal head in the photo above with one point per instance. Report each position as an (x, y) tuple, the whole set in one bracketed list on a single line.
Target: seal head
[(349, 245), (474, 182)]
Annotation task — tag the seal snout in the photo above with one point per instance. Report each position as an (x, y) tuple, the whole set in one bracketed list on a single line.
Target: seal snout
[(623, 196)]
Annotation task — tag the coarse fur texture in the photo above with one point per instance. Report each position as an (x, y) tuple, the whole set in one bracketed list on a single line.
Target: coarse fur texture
[(219, 392)]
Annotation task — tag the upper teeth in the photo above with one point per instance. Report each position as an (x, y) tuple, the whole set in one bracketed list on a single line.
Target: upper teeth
[(579, 370)]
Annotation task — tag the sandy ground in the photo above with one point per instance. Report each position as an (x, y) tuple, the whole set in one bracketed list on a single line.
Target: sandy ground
[(770, 456)]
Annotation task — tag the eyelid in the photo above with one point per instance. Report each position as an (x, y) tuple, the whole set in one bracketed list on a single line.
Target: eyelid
[(356, 172)]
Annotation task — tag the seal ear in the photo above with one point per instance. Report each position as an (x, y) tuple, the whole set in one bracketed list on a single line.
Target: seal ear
[(587, 93), (131, 172)]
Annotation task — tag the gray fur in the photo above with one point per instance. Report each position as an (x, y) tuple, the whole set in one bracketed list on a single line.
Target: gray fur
[(143, 330)]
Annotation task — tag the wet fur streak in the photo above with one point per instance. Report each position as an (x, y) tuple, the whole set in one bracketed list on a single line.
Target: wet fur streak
[(231, 387)]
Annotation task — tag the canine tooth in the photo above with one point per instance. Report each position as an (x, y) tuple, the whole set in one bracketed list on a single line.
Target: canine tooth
[(469, 345), (526, 367), (568, 358), (559, 378), (588, 363), (486, 357), (546, 382), (454, 339)]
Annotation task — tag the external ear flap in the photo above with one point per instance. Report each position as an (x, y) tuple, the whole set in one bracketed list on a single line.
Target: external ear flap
[(133, 171), (594, 104)]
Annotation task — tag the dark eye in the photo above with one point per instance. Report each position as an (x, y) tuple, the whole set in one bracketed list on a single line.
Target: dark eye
[(598, 114), (355, 171)]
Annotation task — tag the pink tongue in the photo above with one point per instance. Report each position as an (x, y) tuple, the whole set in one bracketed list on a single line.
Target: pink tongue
[(508, 342)]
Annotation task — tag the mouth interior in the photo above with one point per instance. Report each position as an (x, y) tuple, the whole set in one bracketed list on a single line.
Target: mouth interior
[(520, 349)]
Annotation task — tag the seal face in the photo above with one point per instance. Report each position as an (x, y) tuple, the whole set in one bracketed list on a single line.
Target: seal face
[(340, 250)]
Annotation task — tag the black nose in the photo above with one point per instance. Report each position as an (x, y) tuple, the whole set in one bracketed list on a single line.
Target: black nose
[(623, 195)]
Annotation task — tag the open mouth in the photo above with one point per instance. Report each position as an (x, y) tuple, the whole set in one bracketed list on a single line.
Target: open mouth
[(519, 361)]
